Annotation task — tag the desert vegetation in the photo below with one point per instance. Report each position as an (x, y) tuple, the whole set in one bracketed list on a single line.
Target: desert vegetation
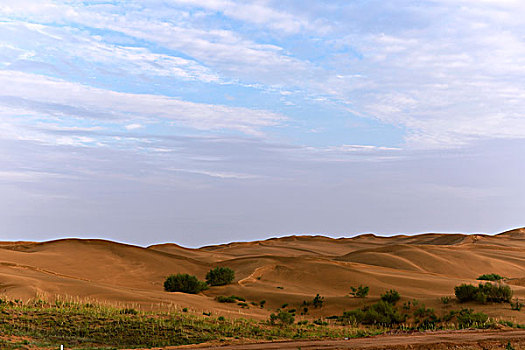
[(483, 293), (270, 282), (89, 325), (220, 276), (490, 277), (359, 292), (185, 283)]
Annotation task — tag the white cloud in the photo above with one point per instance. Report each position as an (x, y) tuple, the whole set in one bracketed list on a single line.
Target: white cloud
[(218, 174), (59, 98), (134, 126)]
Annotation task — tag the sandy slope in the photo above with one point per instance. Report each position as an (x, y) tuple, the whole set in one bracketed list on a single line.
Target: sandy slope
[(280, 270)]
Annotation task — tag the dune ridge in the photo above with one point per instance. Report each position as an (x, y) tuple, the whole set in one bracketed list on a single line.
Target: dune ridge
[(278, 270)]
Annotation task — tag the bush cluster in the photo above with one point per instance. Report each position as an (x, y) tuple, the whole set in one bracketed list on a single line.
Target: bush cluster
[(359, 292), (230, 299), (490, 277), (382, 313), (483, 293), (185, 283), (391, 296), (283, 318), (467, 318), (220, 276)]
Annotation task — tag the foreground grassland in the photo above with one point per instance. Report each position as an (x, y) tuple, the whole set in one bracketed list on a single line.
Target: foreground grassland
[(89, 326)]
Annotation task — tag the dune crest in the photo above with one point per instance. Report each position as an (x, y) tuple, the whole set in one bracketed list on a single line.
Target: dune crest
[(277, 270)]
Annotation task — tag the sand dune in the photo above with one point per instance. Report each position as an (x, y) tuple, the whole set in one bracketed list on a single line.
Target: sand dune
[(278, 270)]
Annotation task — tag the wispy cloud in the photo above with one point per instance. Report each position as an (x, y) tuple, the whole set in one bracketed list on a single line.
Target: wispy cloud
[(264, 115), (59, 98)]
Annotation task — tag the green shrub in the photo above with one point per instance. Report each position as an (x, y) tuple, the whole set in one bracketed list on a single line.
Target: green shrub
[(425, 318), (483, 293), (391, 296), (490, 277), (128, 311), (445, 300), (320, 322), (221, 318), (468, 319), (185, 283), (223, 299), (352, 317), (261, 303), (220, 276), (465, 292), (382, 313), (359, 292), (516, 305), (283, 318), (497, 293), (318, 301)]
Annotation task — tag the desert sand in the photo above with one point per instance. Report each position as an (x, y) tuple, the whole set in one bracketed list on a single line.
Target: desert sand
[(279, 270)]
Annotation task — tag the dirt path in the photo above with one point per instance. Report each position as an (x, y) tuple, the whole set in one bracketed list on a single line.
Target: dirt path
[(468, 339)]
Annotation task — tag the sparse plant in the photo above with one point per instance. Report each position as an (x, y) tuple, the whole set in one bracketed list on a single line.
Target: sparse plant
[(223, 299), (425, 318), (318, 301), (262, 303), (391, 296), (129, 311), (516, 305), (320, 322), (445, 300), (490, 277), (184, 283), (283, 318), (382, 313), (359, 292), (284, 306), (220, 276), (467, 318)]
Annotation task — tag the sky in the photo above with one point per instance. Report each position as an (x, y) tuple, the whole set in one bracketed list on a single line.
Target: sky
[(211, 121)]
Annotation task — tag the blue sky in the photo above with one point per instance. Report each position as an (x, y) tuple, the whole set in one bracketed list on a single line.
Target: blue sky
[(202, 122)]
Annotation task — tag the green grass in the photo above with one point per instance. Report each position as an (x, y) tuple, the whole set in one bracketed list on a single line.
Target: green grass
[(92, 326)]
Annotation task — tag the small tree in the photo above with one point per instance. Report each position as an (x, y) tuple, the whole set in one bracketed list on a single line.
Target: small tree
[(318, 301), (283, 317), (220, 276), (359, 292), (391, 296), (184, 283)]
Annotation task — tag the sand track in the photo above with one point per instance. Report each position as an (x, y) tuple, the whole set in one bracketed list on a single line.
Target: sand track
[(468, 339)]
